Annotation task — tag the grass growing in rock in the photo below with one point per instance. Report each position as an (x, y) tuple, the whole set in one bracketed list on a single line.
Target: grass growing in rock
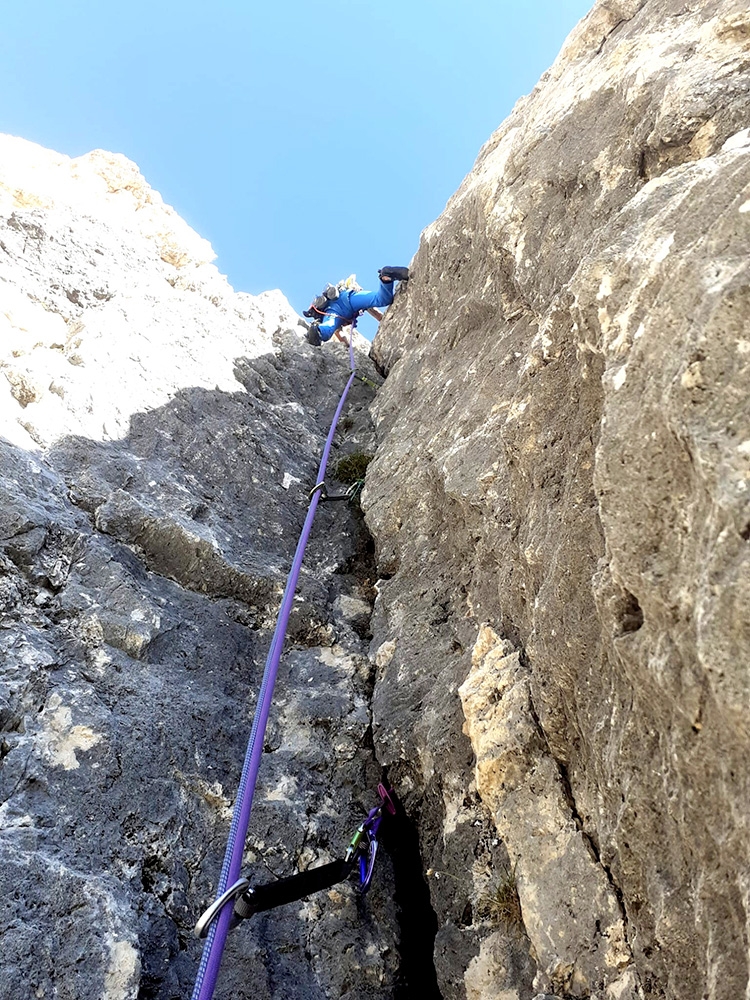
[(500, 903), (352, 468)]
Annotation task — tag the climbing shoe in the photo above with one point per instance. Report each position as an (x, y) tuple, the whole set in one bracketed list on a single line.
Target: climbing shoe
[(394, 273), (313, 335)]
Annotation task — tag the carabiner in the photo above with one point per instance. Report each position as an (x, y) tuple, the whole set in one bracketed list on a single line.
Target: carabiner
[(367, 865)]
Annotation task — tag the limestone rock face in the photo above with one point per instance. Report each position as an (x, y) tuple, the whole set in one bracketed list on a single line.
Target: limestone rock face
[(561, 508), (158, 438)]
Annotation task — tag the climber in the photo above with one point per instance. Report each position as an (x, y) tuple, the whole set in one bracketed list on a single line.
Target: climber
[(340, 304)]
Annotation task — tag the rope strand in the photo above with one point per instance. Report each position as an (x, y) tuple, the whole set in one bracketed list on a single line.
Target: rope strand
[(213, 950)]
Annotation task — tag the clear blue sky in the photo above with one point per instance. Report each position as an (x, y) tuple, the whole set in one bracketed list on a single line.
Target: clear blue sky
[(305, 140)]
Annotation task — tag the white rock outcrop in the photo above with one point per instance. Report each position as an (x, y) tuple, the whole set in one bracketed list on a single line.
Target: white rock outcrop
[(109, 302)]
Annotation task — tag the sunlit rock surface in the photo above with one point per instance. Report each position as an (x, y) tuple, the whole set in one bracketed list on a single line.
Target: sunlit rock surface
[(561, 507), (159, 434), (557, 680)]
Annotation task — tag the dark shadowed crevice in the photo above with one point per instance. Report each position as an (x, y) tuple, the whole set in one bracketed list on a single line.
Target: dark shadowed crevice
[(418, 923), (631, 614)]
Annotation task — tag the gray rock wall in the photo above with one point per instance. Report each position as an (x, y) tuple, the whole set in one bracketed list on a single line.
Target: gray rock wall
[(557, 676), (158, 438), (560, 503)]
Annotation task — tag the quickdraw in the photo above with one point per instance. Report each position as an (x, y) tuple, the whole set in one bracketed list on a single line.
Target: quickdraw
[(217, 920), (362, 850), (351, 494), (364, 843)]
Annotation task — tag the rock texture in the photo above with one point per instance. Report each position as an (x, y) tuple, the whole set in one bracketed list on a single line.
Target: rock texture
[(561, 507), (159, 435), (555, 675)]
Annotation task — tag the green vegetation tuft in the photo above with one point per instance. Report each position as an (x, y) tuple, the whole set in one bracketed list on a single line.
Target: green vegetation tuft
[(352, 468), (500, 903)]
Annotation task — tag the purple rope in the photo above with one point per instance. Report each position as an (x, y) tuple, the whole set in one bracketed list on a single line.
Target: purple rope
[(213, 949)]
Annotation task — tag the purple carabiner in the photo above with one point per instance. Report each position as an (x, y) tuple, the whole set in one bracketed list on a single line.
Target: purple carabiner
[(367, 865), (370, 827)]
